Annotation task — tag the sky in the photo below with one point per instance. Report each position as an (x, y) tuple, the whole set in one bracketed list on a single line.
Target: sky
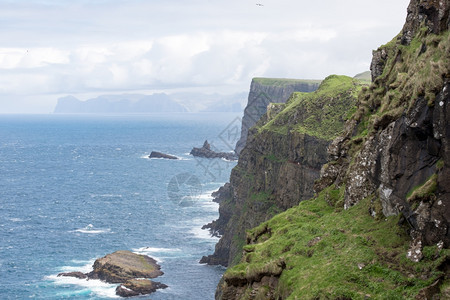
[(86, 48)]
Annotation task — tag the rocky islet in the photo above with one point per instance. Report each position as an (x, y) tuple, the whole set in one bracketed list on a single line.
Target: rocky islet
[(132, 271)]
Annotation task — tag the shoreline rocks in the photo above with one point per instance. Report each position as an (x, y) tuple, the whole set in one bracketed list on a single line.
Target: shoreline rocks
[(78, 275), (206, 152), (156, 154), (129, 269), (136, 287)]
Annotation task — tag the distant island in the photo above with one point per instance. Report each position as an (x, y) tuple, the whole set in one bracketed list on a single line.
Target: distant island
[(154, 103)]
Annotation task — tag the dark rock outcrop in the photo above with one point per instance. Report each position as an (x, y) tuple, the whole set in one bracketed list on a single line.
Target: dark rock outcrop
[(269, 90), (217, 227), (206, 152), (156, 154), (434, 14), (78, 275), (136, 287)]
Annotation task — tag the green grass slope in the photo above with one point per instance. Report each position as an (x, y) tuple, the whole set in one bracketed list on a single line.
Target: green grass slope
[(280, 82), (328, 253), (322, 113)]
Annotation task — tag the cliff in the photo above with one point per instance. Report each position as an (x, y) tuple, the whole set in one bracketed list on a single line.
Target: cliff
[(269, 90), (283, 157), (378, 226)]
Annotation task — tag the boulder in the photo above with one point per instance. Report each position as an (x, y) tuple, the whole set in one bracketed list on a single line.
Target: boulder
[(78, 275), (156, 154), (136, 287)]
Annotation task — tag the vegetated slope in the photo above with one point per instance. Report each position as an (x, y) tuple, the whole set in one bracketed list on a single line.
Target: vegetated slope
[(283, 157), (379, 225), (269, 90)]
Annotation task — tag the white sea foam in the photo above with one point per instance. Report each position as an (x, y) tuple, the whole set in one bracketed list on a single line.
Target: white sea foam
[(97, 287), (89, 229), (205, 200), (207, 195), (147, 156), (161, 253), (16, 220), (183, 158), (158, 250), (106, 195), (83, 266), (203, 234)]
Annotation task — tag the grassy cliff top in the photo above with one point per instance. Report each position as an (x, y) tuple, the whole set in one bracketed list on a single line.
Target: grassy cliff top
[(321, 113), (283, 81), (332, 254)]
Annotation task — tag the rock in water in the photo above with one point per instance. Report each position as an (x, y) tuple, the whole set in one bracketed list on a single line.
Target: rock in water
[(136, 287), (156, 154), (206, 152), (78, 275), (123, 265)]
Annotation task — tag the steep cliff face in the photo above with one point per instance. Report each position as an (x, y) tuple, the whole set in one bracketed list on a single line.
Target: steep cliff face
[(403, 118), (269, 90), (378, 226), (283, 157)]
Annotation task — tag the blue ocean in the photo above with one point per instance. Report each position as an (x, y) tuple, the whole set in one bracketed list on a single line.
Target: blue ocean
[(74, 188)]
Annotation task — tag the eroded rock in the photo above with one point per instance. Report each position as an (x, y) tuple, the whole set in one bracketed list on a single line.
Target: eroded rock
[(156, 154), (206, 152), (123, 265), (136, 287)]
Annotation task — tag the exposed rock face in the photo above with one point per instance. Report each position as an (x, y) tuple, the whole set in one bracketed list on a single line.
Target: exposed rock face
[(264, 91), (378, 62), (433, 13), (407, 148), (136, 287), (393, 158), (123, 265), (156, 154), (217, 227), (206, 152), (277, 169)]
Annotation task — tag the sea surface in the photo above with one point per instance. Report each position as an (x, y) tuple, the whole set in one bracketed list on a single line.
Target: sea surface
[(74, 188)]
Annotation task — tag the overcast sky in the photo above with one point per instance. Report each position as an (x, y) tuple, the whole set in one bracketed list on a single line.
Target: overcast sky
[(53, 48)]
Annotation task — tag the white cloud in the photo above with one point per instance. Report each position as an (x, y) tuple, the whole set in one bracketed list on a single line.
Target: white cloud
[(15, 58), (72, 47)]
